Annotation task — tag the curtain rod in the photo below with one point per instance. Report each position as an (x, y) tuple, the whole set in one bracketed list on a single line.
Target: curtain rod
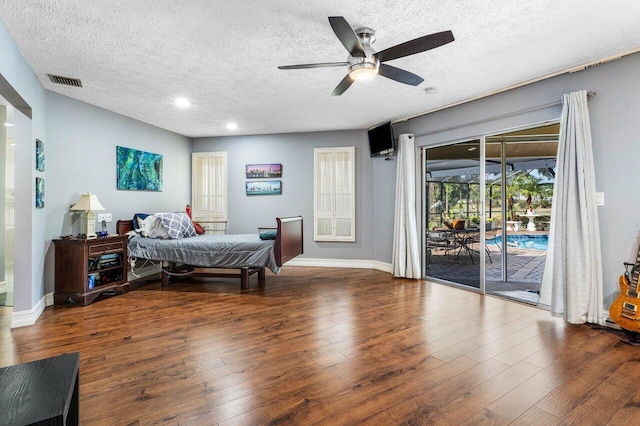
[(590, 94)]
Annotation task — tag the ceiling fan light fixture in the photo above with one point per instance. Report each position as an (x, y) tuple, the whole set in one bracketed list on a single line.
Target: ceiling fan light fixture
[(363, 72)]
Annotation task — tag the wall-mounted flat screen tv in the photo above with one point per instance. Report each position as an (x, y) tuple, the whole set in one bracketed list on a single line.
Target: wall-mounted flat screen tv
[(381, 140)]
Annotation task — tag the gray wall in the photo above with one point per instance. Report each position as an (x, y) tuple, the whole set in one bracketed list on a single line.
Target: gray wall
[(80, 145), (615, 126), (80, 149), (3, 184), (29, 222), (295, 152), (384, 198)]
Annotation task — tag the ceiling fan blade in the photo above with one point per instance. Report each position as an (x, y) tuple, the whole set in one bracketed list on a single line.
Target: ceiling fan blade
[(399, 75), (347, 36), (342, 86), (418, 45), (321, 65)]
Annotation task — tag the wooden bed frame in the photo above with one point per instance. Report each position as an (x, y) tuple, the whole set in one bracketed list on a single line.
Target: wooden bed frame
[(288, 244)]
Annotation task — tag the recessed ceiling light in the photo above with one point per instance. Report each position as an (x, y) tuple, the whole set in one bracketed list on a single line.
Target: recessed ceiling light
[(183, 103), (8, 125), (232, 126)]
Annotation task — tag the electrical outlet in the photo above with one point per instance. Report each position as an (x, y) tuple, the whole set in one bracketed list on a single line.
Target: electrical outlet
[(106, 217)]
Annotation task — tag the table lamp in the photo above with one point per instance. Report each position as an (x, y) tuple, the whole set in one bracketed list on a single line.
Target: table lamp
[(88, 203)]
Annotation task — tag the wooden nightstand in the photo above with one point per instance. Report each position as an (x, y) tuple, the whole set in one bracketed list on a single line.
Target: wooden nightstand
[(87, 268)]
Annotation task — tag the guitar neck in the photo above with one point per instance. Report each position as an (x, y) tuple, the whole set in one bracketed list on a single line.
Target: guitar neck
[(635, 272)]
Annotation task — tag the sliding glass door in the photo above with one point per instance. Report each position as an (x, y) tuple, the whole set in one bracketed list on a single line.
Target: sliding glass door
[(452, 216), (487, 215), (520, 171)]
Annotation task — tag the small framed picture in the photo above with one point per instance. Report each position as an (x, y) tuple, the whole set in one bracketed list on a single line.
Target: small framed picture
[(264, 187), (263, 171), (39, 193), (39, 155)]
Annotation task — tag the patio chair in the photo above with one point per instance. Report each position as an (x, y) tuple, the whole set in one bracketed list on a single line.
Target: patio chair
[(438, 240), (474, 238)]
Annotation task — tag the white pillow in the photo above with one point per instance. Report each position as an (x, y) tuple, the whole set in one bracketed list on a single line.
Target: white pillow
[(151, 227)]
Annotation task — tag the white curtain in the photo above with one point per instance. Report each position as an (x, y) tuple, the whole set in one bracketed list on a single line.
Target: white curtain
[(208, 188), (572, 281), (406, 249)]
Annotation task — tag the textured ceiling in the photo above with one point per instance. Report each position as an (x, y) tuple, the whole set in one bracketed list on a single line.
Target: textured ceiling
[(136, 57)]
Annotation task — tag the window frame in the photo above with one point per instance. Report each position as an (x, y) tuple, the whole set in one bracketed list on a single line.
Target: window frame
[(212, 220), (320, 184)]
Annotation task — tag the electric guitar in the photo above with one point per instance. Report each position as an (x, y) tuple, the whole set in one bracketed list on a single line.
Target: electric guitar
[(625, 310)]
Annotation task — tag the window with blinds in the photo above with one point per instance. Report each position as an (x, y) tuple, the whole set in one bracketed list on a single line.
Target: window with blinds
[(209, 190), (334, 196)]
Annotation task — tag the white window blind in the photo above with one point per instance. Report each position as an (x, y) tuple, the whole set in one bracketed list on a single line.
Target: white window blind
[(334, 197), (209, 190)]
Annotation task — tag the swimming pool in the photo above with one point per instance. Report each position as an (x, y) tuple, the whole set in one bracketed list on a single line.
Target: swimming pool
[(536, 242)]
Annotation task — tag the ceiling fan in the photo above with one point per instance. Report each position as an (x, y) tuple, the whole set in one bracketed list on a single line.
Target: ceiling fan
[(364, 63)]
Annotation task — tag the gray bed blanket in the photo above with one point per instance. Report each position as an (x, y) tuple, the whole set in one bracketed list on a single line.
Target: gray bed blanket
[(208, 251)]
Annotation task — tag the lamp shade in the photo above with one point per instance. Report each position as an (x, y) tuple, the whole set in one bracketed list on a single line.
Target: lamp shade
[(88, 202)]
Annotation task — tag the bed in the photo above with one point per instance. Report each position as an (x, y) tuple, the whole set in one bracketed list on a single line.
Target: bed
[(195, 256)]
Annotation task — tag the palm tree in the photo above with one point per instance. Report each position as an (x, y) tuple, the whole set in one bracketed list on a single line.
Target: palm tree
[(523, 184)]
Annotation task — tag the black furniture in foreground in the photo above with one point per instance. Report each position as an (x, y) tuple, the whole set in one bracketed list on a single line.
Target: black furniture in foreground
[(43, 392)]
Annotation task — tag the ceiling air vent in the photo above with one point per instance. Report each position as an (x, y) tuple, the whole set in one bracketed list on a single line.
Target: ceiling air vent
[(67, 81)]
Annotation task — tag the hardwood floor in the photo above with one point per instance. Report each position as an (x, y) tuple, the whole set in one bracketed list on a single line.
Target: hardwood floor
[(335, 347)]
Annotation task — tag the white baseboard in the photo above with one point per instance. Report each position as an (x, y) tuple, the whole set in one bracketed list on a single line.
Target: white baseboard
[(48, 299), (341, 263), (29, 317), (383, 266)]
